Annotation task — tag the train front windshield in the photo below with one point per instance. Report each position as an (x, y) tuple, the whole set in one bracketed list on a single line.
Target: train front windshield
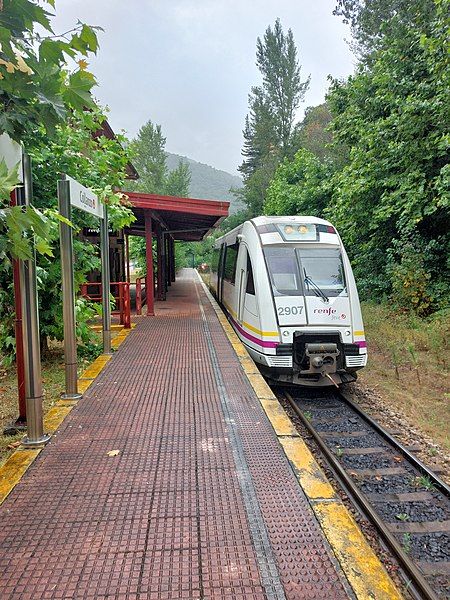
[(306, 271)]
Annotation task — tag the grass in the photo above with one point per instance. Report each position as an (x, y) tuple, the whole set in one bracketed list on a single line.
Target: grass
[(408, 366), (53, 381), (53, 385)]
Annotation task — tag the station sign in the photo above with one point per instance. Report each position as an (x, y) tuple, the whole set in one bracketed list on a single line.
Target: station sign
[(11, 152), (84, 198)]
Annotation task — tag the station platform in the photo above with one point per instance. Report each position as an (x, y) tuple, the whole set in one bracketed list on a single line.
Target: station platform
[(168, 481)]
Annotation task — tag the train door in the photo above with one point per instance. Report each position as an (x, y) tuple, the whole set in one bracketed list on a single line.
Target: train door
[(247, 310), (241, 280), (220, 272)]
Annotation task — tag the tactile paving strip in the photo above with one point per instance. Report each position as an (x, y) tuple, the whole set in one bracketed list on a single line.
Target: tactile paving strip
[(166, 518), (305, 562)]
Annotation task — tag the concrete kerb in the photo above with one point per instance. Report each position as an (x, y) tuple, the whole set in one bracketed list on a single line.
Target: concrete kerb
[(364, 571), (17, 464)]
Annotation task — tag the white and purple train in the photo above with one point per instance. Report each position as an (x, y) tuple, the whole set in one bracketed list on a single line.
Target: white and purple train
[(288, 289)]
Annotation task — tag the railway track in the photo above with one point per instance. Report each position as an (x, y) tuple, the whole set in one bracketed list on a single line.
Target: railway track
[(408, 504)]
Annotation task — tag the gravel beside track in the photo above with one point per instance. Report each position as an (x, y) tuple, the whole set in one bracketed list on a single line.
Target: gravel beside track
[(412, 503)]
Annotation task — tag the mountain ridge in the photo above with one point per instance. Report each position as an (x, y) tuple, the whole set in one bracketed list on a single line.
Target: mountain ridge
[(207, 182)]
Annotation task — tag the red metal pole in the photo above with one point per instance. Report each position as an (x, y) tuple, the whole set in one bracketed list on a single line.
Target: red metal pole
[(120, 302), (127, 305), (138, 296), (127, 256), (20, 364), (149, 290)]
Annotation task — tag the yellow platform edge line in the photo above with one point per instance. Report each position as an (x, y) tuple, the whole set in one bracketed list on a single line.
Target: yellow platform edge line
[(363, 569), (13, 469)]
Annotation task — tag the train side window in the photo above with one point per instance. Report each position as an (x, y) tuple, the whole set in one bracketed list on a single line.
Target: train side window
[(215, 260), (229, 271), (250, 289)]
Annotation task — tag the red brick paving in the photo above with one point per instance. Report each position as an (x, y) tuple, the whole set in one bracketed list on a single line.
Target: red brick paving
[(200, 502)]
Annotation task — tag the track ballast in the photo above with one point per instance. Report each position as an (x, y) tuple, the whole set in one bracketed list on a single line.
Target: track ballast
[(407, 503)]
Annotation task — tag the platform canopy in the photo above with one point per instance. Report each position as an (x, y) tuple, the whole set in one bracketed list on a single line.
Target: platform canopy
[(187, 219)]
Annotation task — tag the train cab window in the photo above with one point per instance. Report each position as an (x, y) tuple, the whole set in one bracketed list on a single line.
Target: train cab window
[(283, 269), (229, 270), (250, 289), (323, 272)]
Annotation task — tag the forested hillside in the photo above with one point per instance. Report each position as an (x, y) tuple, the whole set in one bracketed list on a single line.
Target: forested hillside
[(373, 159), (208, 182)]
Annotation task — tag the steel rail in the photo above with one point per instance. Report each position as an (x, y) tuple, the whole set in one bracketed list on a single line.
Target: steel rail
[(417, 463), (420, 586)]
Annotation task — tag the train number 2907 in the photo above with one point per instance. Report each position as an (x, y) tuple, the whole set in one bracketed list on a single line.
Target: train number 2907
[(290, 310)]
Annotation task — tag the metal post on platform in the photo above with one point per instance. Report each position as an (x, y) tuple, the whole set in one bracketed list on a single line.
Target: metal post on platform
[(106, 284), (159, 280), (172, 259), (163, 266), (35, 437), (70, 339), (149, 281)]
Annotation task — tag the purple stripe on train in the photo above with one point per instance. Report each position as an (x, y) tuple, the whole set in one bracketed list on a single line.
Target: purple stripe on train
[(252, 338)]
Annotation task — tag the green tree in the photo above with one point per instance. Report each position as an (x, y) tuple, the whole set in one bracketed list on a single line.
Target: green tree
[(300, 186), (37, 85), (37, 88), (97, 162), (178, 181), (149, 158), (314, 134), (373, 21), (269, 126), (276, 59), (393, 114)]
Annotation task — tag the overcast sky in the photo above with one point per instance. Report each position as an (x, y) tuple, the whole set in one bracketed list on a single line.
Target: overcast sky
[(189, 64)]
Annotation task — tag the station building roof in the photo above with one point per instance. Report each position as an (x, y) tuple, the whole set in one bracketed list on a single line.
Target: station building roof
[(187, 219)]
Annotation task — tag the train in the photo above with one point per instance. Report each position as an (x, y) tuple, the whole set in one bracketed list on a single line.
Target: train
[(287, 288)]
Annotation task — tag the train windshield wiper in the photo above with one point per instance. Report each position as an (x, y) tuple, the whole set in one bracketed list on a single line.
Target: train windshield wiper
[(315, 287)]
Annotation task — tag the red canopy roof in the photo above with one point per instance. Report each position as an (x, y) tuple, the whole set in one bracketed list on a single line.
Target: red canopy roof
[(187, 219)]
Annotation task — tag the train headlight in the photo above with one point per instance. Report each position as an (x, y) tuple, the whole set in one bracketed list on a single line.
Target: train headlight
[(288, 229), (285, 333), (347, 332), (303, 229)]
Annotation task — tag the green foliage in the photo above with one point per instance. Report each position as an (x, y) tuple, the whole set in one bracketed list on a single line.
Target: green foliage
[(410, 280), (149, 158), (300, 186), (314, 134), (282, 89), (177, 181), (394, 116), (374, 159), (98, 163), (269, 126), (36, 84)]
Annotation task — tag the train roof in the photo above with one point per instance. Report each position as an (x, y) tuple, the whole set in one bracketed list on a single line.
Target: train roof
[(295, 219), (268, 238)]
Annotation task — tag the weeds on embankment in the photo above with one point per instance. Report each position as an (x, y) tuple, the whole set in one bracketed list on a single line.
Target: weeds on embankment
[(408, 365)]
